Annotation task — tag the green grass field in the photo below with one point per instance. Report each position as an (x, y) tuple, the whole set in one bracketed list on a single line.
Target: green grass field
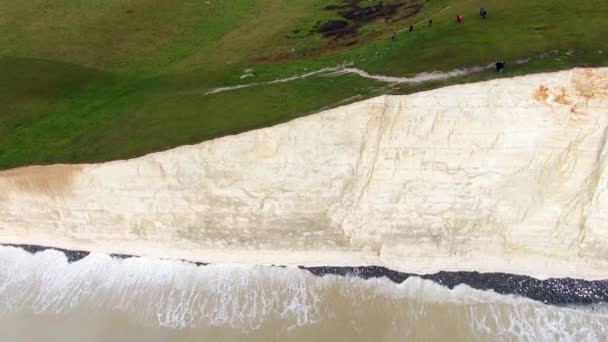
[(96, 80)]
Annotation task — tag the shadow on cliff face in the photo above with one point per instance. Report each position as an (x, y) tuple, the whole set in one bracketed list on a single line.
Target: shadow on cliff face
[(354, 16)]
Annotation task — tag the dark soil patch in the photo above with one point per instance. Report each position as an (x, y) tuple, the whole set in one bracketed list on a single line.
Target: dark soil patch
[(364, 14), (336, 28), (354, 15)]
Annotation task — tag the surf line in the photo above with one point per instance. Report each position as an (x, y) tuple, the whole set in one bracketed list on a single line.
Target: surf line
[(422, 77), (551, 291)]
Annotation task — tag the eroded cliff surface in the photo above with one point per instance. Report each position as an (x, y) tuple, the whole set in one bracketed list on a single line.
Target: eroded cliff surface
[(506, 175)]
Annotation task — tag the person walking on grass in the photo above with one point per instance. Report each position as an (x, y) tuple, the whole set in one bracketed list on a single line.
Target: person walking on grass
[(411, 28), (459, 18), (394, 36), (483, 12), (500, 65), (430, 22)]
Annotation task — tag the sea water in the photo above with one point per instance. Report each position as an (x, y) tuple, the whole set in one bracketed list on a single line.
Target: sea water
[(100, 298)]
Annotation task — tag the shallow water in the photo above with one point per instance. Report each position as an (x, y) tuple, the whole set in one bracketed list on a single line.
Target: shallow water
[(44, 298)]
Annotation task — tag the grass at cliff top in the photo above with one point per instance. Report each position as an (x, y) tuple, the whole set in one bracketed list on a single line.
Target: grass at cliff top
[(95, 80)]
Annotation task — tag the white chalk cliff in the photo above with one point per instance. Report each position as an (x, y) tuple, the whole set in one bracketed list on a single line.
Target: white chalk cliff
[(506, 175)]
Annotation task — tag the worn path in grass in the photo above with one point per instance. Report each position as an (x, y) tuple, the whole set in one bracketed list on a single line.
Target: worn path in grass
[(99, 80)]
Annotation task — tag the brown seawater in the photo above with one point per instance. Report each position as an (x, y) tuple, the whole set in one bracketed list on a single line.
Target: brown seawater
[(99, 298)]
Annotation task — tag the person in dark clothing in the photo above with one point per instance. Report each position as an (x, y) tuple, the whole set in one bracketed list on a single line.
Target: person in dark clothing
[(500, 65), (431, 22), (394, 36), (411, 28), (483, 12)]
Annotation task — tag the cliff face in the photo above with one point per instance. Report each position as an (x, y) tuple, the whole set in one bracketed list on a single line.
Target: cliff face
[(506, 175)]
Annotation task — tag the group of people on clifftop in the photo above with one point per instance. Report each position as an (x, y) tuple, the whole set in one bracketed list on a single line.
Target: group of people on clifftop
[(483, 13)]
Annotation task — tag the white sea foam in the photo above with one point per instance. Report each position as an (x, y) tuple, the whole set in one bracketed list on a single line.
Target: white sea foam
[(179, 295)]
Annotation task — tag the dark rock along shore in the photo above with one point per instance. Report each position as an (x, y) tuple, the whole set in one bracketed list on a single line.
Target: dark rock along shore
[(554, 291)]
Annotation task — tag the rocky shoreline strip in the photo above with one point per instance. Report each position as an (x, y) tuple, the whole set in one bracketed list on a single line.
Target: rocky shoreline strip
[(553, 291)]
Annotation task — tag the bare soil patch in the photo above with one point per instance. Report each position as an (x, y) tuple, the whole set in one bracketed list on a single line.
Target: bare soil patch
[(354, 15)]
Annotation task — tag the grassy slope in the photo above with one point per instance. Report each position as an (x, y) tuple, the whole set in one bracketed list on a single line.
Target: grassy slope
[(90, 80)]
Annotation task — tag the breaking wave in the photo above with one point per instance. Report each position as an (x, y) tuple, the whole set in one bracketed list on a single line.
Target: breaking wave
[(256, 301)]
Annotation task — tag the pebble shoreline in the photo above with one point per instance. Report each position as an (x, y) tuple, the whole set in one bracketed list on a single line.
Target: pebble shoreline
[(553, 291)]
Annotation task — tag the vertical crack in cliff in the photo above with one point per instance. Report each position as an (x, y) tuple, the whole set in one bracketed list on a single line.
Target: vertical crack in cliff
[(366, 161), (595, 178), (382, 127), (583, 201)]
